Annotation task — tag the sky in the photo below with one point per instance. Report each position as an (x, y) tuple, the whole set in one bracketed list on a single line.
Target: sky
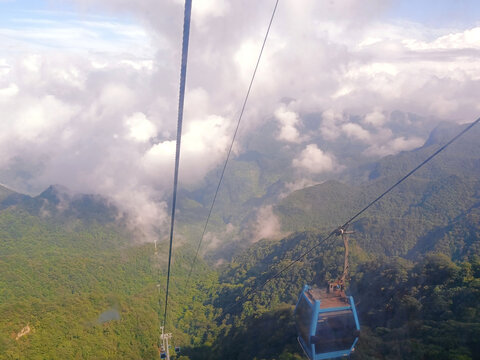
[(89, 89)]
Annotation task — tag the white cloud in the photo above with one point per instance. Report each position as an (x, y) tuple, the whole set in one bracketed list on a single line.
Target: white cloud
[(267, 225), (330, 127), (376, 118), (245, 58), (140, 128), (299, 184), (85, 100), (288, 121), (4, 63), (9, 91), (64, 32), (116, 98), (314, 160), (35, 120), (468, 39), (204, 144), (355, 131), (204, 10), (394, 146)]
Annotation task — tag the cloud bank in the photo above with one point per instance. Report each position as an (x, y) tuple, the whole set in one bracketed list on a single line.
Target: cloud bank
[(92, 103), (314, 160)]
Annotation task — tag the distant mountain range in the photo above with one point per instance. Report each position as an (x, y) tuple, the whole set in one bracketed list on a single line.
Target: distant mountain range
[(439, 194), (77, 278), (414, 259), (67, 258), (442, 195), (59, 203)]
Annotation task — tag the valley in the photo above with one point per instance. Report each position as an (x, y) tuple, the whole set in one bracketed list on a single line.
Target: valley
[(69, 261)]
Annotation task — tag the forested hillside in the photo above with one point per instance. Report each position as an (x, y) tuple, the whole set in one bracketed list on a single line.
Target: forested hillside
[(83, 288), (261, 176), (79, 285), (414, 263), (423, 309), (438, 196)]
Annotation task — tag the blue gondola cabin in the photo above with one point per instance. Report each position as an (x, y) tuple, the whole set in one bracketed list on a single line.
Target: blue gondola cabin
[(327, 322)]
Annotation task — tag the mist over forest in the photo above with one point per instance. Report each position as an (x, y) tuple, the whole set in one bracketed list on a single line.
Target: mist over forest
[(348, 98)]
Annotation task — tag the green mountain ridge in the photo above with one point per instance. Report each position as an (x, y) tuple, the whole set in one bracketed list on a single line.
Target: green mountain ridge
[(458, 240), (421, 306), (67, 262), (260, 178), (82, 284), (5, 192), (432, 198), (59, 203)]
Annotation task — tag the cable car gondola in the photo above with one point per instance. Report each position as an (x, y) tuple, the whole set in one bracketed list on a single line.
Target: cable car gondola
[(327, 320)]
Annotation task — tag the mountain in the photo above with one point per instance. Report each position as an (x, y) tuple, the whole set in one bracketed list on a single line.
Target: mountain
[(263, 176), (435, 197), (75, 282), (5, 192), (60, 204), (422, 309), (414, 264), (459, 240)]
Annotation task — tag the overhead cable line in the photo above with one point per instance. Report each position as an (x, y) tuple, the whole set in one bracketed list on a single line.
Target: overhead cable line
[(183, 78), (231, 144), (344, 226)]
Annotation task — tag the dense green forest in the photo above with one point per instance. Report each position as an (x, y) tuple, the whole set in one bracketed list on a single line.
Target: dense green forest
[(86, 291), (422, 309), (75, 278)]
